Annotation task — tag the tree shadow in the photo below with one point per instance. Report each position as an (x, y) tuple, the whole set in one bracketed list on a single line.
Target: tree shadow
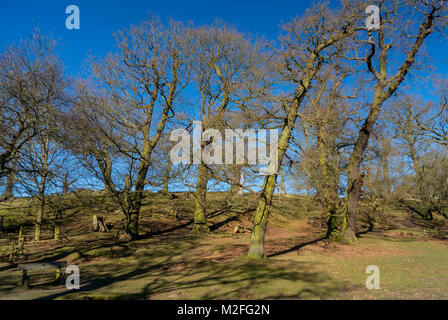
[(169, 263), (212, 280), (169, 230), (368, 230), (165, 267), (239, 280), (218, 225), (296, 248)]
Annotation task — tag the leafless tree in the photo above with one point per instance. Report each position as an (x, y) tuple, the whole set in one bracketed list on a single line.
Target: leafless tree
[(404, 26), (310, 42), (123, 119)]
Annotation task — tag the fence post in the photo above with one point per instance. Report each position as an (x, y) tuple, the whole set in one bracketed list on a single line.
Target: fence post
[(56, 232), (21, 243), (11, 251)]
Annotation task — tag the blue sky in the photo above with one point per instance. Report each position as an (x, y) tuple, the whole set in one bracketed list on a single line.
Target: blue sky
[(99, 19)]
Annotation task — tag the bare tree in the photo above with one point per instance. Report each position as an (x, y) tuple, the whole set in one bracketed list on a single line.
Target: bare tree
[(309, 42), (327, 133), (24, 74), (406, 114), (378, 60), (124, 119), (40, 158), (227, 74)]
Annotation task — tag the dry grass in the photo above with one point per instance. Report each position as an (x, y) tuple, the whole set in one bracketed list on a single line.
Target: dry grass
[(167, 263)]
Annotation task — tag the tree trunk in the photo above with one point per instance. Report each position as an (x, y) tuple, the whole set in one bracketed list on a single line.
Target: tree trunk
[(166, 178), (385, 88), (235, 179), (355, 179), (330, 197), (282, 184), (134, 202), (354, 196), (418, 171), (56, 232), (200, 221), (256, 249), (10, 179), (39, 217), (132, 224), (66, 184), (385, 166), (240, 188)]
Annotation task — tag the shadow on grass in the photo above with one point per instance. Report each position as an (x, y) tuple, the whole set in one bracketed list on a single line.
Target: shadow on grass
[(218, 225), (163, 262), (295, 248), (161, 232), (172, 268)]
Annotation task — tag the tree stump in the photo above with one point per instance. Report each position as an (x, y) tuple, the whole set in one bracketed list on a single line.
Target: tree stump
[(99, 224), (122, 235), (240, 229)]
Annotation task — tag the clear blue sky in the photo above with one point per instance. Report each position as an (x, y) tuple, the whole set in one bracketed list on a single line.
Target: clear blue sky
[(100, 18)]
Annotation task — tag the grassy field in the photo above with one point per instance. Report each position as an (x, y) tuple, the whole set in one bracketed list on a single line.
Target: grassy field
[(168, 263)]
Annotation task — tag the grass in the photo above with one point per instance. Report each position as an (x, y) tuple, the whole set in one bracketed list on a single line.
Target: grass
[(168, 263)]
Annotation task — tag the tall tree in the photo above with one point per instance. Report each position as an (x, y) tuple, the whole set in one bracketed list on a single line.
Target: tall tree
[(125, 117), (227, 73), (426, 17), (40, 156), (24, 74), (310, 42)]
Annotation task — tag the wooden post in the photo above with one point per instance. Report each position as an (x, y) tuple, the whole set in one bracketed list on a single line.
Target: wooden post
[(58, 275), (95, 226), (20, 233), (11, 251), (25, 279), (21, 243), (1, 223), (56, 232)]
